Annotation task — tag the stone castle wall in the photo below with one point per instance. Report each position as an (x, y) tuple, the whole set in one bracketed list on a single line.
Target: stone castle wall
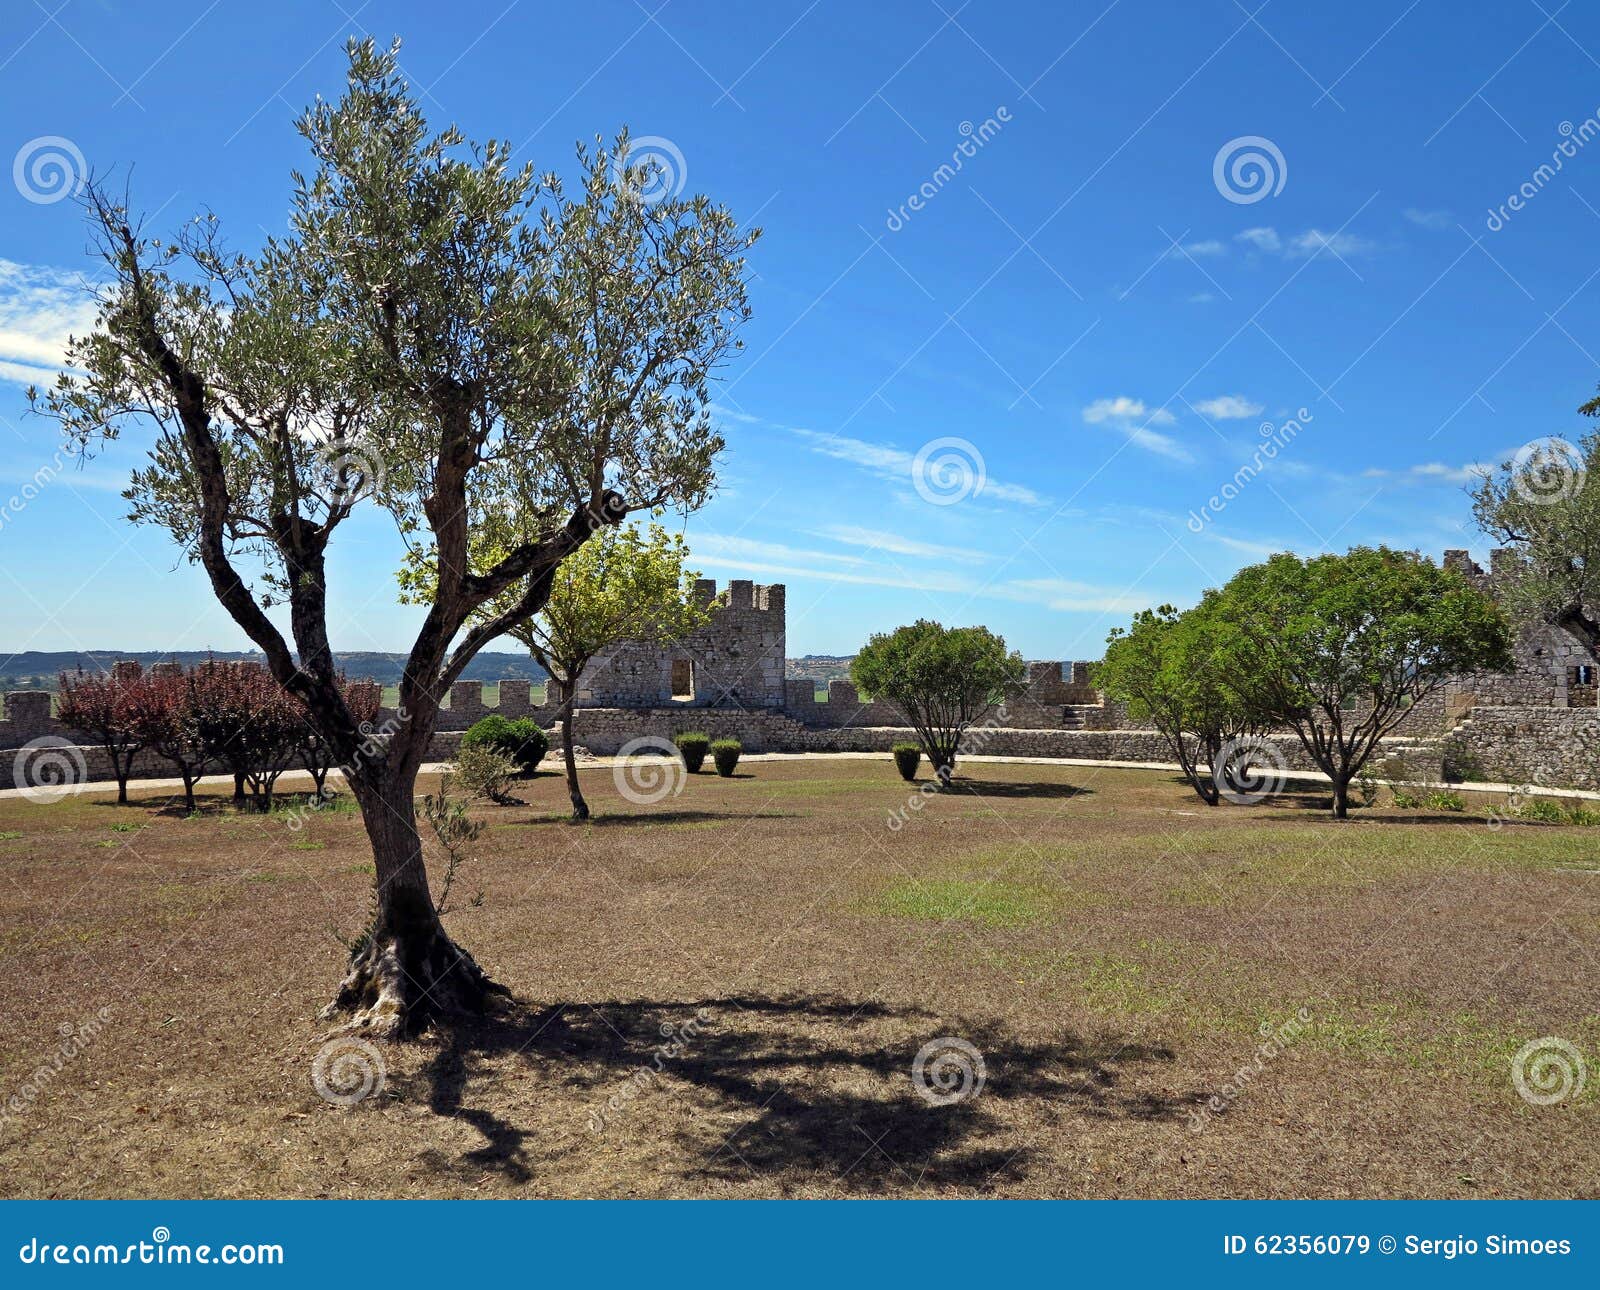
[(727, 679)]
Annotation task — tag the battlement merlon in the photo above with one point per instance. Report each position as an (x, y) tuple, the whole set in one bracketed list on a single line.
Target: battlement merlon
[(741, 594)]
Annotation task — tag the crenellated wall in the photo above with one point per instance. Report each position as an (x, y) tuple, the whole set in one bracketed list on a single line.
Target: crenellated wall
[(727, 679)]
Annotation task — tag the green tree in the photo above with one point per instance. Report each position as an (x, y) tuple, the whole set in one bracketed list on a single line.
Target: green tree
[(626, 585), (1165, 668), (941, 678), (1339, 647), (1545, 506), (413, 342)]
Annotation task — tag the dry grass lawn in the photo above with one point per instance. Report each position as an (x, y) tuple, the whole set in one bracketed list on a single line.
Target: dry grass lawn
[(748, 969)]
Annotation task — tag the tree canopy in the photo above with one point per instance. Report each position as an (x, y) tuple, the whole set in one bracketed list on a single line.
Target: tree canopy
[(1165, 667), (1338, 647), (1545, 505), (942, 679), (440, 333)]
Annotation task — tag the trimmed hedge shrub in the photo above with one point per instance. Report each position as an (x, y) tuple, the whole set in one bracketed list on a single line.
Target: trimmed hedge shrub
[(521, 739), (692, 747), (906, 759), (725, 752)]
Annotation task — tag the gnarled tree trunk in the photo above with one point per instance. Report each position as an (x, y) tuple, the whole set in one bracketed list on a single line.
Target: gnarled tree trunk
[(405, 971)]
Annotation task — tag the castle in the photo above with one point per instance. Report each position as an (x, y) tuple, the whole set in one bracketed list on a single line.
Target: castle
[(1539, 723)]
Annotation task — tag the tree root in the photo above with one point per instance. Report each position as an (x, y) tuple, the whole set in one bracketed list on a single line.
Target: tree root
[(398, 985)]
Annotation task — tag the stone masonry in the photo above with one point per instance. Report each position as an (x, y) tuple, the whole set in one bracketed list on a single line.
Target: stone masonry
[(1538, 724)]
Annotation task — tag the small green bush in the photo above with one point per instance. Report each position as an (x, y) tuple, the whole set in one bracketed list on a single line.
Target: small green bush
[(1542, 809), (485, 771), (692, 747), (725, 752), (906, 759), (520, 739), (1583, 816), (1406, 801), (1446, 802)]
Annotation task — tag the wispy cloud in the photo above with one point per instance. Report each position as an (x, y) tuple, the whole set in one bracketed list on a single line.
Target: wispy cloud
[(1314, 241), (1267, 241), (1134, 419), (40, 309), (1228, 407), (892, 463), (896, 544), (1430, 472), (1068, 596), (1436, 220), (1208, 249), (1261, 239), (715, 545)]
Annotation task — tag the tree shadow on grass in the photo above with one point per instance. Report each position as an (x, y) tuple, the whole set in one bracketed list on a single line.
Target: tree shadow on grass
[(782, 1092), (1017, 788)]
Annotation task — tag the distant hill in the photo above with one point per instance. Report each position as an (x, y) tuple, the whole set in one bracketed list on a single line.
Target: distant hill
[(819, 667), (38, 669)]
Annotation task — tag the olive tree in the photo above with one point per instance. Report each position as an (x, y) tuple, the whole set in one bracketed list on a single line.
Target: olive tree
[(625, 585), (941, 678), (1339, 647), (1545, 506), (410, 344)]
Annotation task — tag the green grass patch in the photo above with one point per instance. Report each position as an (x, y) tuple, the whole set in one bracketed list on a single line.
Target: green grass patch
[(994, 904)]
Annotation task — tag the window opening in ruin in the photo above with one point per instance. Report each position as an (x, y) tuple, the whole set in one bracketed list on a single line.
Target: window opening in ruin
[(682, 678)]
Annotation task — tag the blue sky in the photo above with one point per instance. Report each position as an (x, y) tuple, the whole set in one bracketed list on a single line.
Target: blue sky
[(1098, 313)]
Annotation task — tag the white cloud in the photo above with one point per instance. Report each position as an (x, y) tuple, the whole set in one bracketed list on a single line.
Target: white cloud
[(1430, 472), (1228, 407), (712, 545), (1122, 408), (40, 308), (1133, 418), (1208, 249), (896, 544), (728, 414), (1262, 239), (895, 464), (1201, 298), (1261, 550), (1068, 596), (1314, 241), (1430, 219)]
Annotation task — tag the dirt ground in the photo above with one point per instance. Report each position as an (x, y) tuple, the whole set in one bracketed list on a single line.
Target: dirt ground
[(725, 993)]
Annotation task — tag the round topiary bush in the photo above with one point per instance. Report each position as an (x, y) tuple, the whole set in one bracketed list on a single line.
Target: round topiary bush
[(906, 759), (692, 747), (725, 752), (521, 739)]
